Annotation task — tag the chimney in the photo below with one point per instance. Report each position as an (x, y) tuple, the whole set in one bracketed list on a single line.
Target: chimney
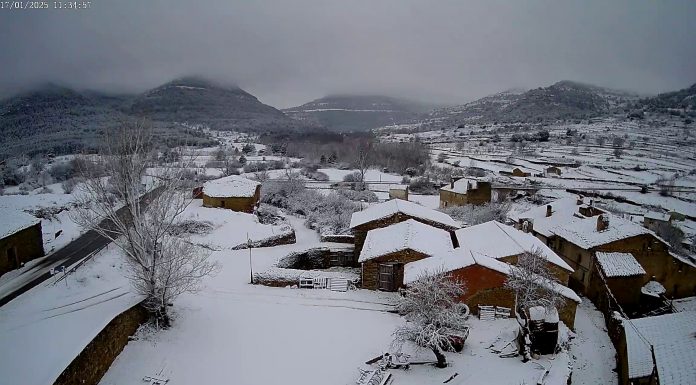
[(527, 226), (602, 222), (548, 210), (451, 182), (579, 201)]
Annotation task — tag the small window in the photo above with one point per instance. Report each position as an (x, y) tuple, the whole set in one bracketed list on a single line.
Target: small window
[(222, 203)]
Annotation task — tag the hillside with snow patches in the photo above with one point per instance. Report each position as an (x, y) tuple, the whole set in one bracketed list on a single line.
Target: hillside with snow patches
[(358, 112)]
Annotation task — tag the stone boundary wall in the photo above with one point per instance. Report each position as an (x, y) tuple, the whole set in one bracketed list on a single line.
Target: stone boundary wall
[(95, 359)]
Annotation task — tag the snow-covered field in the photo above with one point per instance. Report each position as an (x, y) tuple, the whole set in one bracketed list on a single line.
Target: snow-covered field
[(232, 331)]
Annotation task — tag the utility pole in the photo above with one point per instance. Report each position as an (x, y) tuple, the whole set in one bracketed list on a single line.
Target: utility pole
[(251, 271)]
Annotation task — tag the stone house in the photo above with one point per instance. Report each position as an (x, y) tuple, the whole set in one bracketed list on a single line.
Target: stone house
[(506, 243), (398, 191), (387, 250), (653, 220), (465, 191), (21, 239), (232, 192), (552, 170), (484, 280), (577, 238), (395, 211), (658, 350), (518, 172)]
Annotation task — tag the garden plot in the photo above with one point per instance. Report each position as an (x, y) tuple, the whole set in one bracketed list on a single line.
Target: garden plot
[(225, 229)]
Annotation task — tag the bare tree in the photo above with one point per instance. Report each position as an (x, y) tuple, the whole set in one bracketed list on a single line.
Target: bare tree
[(431, 308), (363, 160), (533, 284), (227, 164), (140, 223), (666, 185)]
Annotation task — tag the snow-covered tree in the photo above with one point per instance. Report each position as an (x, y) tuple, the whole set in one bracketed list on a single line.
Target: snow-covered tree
[(477, 214), (533, 284), (161, 265), (431, 308)]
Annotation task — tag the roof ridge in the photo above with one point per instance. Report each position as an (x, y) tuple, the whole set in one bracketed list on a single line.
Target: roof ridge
[(509, 236)]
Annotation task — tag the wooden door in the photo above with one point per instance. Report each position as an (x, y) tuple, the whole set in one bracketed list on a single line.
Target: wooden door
[(387, 277)]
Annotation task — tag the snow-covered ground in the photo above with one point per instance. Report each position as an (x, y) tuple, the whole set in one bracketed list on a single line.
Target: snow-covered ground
[(42, 330), (231, 331), (592, 350), (229, 228)]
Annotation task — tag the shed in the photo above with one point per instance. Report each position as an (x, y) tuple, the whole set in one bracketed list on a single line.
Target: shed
[(232, 192), (623, 275), (388, 249), (21, 239)]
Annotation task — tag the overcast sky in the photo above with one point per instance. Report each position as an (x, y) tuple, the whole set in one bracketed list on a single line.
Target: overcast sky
[(289, 52)]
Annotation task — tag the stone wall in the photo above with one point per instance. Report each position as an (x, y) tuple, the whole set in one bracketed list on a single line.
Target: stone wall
[(26, 245), (275, 240), (338, 238), (95, 359)]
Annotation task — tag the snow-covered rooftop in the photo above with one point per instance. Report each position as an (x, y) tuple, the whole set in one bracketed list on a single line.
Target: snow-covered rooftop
[(14, 221), (461, 186), (394, 206), (409, 234), (567, 223), (657, 216), (462, 257), (583, 231), (497, 240), (619, 264), (561, 211), (673, 337), (400, 187), (230, 186)]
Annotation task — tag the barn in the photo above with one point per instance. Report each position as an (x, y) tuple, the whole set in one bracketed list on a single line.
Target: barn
[(388, 249), (484, 280), (20, 239), (395, 211), (232, 192)]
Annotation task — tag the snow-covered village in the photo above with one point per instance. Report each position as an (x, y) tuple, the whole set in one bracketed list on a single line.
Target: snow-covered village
[(176, 212)]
